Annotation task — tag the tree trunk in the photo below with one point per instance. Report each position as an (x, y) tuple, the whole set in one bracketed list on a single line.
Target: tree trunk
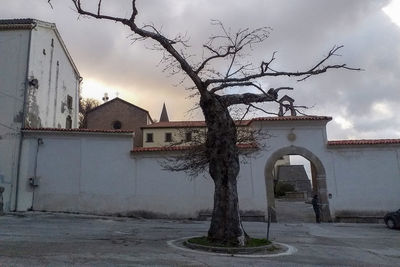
[(224, 168)]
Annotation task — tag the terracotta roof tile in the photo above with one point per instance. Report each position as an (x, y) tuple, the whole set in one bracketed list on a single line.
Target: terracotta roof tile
[(74, 130), (294, 118), (18, 24), (173, 124), (185, 124), (154, 149), (181, 148), (364, 142), (17, 21), (188, 124)]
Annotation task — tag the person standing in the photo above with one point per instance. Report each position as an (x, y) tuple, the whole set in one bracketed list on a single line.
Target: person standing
[(317, 209), (1, 201)]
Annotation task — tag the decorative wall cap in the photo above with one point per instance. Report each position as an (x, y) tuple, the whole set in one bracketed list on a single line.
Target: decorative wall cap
[(182, 148), (189, 124), (364, 142), (17, 24), (294, 118), (78, 130), (175, 124)]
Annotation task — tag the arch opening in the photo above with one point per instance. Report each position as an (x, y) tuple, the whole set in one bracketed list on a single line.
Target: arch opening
[(317, 176)]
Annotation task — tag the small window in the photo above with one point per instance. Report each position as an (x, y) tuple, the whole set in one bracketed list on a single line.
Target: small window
[(188, 136), (68, 122), (117, 125), (149, 138), (69, 102), (168, 137)]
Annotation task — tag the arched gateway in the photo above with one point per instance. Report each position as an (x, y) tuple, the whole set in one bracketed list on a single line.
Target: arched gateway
[(318, 176)]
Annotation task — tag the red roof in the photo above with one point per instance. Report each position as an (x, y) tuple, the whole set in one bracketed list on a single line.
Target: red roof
[(181, 148), (188, 124), (184, 124), (294, 118), (175, 124), (166, 148), (74, 130), (364, 142)]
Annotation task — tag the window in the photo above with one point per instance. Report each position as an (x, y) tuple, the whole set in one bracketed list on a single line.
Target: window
[(188, 136), (69, 102), (117, 125), (68, 122), (149, 138), (168, 137)]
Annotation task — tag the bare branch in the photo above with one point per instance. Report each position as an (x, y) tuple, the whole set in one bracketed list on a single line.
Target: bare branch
[(265, 65), (249, 98), (164, 42), (230, 45), (99, 8), (226, 85), (263, 110), (246, 98), (315, 70), (247, 111), (216, 55)]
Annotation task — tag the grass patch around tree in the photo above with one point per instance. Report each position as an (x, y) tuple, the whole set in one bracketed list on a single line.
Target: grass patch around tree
[(251, 242)]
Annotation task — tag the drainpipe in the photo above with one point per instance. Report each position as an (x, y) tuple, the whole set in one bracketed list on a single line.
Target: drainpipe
[(133, 140), (34, 181), (23, 121), (78, 100)]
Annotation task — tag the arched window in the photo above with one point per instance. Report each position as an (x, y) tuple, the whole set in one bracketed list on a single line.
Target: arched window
[(68, 122), (117, 125)]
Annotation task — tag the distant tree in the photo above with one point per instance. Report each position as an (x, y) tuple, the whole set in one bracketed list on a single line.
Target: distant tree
[(210, 82), (85, 105)]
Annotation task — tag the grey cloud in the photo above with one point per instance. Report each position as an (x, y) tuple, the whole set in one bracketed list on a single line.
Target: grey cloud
[(303, 32)]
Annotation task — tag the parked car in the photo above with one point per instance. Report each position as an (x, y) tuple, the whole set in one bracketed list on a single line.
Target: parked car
[(392, 219)]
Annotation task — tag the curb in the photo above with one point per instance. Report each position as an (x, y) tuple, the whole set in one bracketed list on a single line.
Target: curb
[(178, 244)]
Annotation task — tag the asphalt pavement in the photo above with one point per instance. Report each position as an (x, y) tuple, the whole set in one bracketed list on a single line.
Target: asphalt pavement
[(46, 239)]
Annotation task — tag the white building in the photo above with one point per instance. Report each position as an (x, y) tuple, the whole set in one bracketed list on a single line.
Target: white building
[(39, 87)]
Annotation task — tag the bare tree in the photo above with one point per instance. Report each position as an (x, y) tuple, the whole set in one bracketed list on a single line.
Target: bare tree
[(85, 105), (210, 85)]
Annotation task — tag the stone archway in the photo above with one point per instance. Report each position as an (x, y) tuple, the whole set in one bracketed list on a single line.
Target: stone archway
[(317, 169)]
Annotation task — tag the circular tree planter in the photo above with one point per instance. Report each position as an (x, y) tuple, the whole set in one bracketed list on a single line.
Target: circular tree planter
[(271, 248)]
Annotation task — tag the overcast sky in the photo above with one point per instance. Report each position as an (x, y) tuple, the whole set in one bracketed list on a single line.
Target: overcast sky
[(363, 104)]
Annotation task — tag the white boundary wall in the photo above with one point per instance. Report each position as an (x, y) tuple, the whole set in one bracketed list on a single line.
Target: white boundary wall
[(366, 179), (96, 173)]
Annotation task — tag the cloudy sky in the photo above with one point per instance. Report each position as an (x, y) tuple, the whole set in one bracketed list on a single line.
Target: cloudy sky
[(363, 104)]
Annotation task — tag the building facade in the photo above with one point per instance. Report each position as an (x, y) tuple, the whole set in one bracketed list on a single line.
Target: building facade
[(173, 133), (179, 133), (118, 114), (39, 87)]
